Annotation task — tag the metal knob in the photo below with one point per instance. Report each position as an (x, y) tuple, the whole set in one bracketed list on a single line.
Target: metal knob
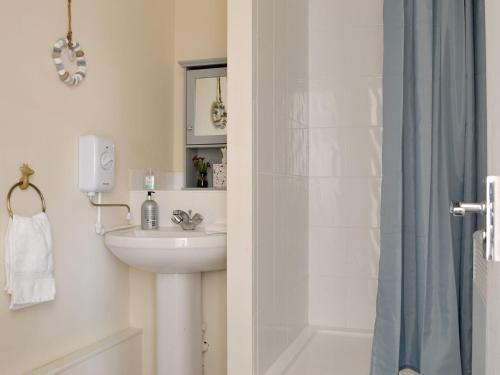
[(459, 209)]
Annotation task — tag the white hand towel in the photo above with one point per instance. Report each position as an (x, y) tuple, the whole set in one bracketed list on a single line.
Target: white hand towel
[(29, 267)]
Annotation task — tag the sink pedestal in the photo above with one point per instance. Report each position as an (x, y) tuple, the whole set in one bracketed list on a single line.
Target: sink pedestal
[(177, 257), (178, 319)]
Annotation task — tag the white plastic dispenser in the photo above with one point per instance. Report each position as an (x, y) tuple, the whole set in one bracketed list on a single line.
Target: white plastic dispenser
[(97, 164), (149, 181)]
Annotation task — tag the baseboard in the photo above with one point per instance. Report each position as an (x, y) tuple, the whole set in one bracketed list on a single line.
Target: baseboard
[(117, 351)]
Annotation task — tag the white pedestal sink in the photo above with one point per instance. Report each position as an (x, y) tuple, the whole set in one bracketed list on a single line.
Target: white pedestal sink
[(177, 257)]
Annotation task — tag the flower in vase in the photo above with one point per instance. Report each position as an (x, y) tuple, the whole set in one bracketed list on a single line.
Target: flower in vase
[(200, 164)]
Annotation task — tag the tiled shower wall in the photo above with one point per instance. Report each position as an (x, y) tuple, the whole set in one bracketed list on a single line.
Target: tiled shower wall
[(345, 136), (282, 150)]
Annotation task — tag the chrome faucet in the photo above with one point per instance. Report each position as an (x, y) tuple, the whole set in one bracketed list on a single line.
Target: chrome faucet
[(185, 220)]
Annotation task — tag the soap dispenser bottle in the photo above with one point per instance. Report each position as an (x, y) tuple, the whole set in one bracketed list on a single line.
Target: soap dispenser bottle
[(150, 213)]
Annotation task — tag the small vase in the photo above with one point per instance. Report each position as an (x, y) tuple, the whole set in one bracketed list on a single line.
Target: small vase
[(202, 179)]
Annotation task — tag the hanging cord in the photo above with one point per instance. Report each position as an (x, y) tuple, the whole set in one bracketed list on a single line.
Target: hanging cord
[(219, 91), (70, 31)]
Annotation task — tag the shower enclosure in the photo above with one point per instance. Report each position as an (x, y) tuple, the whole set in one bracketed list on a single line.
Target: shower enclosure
[(314, 115), (318, 167)]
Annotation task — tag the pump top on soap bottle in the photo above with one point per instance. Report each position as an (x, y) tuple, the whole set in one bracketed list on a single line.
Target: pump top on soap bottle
[(149, 181)]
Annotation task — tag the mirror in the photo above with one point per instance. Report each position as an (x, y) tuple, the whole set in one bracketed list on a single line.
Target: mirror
[(206, 122), (206, 106), (210, 116)]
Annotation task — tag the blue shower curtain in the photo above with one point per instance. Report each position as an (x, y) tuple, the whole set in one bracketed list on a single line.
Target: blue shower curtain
[(434, 152)]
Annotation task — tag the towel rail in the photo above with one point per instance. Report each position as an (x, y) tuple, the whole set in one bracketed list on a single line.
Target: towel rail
[(23, 184)]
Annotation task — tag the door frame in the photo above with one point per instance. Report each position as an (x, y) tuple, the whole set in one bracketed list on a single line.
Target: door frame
[(240, 313)]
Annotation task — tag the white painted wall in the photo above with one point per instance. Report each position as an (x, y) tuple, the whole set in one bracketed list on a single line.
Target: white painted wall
[(282, 188), (345, 144), (132, 52), (127, 96)]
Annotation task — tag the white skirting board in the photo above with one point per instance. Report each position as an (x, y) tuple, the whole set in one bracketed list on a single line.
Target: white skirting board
[(119, 354)]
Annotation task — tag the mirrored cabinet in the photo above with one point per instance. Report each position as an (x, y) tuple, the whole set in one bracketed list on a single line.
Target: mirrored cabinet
[(206, 122)]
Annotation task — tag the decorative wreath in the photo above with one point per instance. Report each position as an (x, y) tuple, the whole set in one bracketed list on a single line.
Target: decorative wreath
[(74, 53), (218, 111)]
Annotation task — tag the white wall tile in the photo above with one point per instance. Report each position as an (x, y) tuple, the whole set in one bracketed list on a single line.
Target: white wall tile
[(325, 14), (366, 12), (362, 152), (363, 251), (298, 297), (266, 110), (344, 252), (345, 100), (328, 252), (328, 297), (297, 39), (266, 235), (266, 162), (361, 302), (364, 101), (357, 51), (298, 103), (345, 151), (330, 53), (366, 50), (326, 102), (344, 202), (282, 104), (326, 152), (319, 115), (299, 152)]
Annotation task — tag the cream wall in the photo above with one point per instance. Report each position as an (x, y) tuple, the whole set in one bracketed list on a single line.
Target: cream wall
[(126, 96), (200, 32)]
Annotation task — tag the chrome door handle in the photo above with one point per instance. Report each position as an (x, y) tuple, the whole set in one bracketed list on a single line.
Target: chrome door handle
[(491, 233), (460, 209)]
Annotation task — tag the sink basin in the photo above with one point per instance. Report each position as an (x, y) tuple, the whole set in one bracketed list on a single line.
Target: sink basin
[(178, 258), (169, 250)]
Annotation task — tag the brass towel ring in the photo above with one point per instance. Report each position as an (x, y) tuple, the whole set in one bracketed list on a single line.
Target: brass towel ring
[(23, 184), (9, 207)]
